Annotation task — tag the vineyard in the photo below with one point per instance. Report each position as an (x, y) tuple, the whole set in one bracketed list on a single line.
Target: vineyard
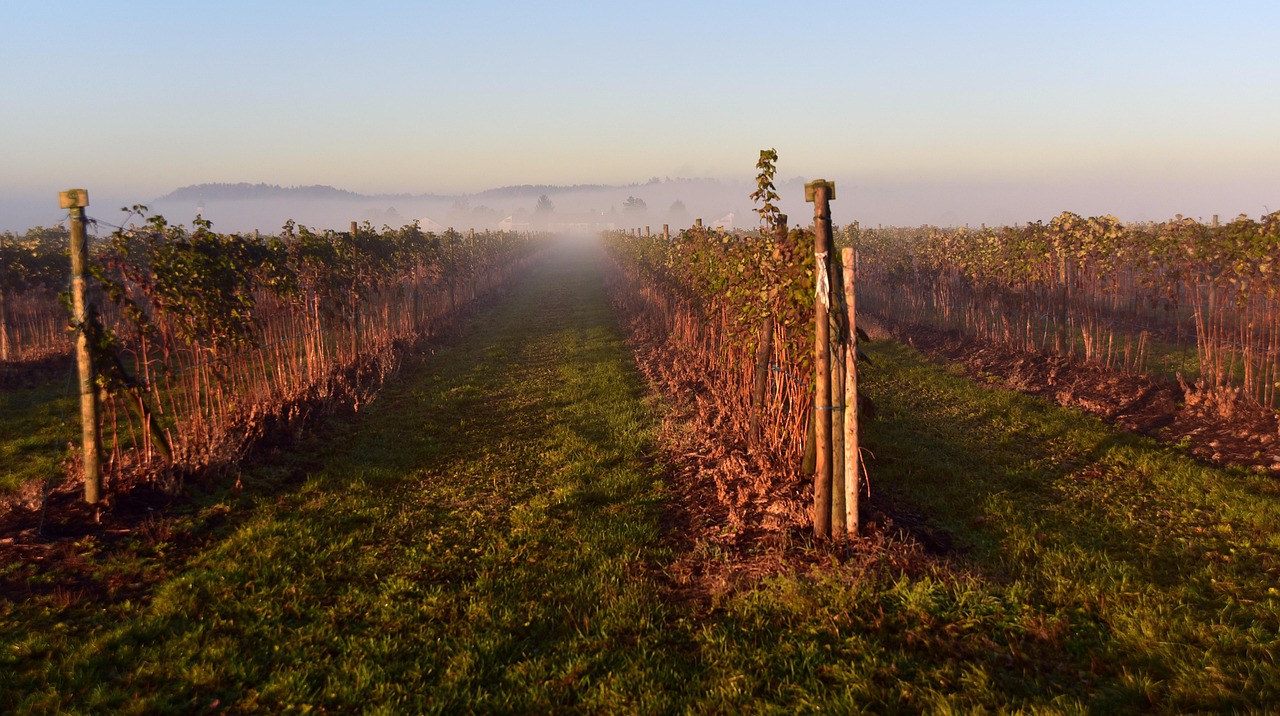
[(206, 345), (1177, 299), (691, 470)]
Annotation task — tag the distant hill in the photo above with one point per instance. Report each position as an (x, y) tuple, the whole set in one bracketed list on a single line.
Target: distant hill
[(245, 191), (536, 189)]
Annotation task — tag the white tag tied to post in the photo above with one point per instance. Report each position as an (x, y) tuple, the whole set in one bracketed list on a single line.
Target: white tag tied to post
[(823, 284)]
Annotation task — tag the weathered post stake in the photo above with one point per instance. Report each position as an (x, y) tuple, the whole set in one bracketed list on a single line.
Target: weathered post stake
[(821, 192), (852, 458), (75, 200)]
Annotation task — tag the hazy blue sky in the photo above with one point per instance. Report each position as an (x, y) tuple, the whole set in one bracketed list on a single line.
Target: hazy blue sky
[(1131, 107)]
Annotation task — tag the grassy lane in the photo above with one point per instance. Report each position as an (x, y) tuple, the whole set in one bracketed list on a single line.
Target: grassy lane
[(481, 538), (484, 538)]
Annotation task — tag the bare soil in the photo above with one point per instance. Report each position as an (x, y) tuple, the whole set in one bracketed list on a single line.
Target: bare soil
[(1216, 426), (735, 516)]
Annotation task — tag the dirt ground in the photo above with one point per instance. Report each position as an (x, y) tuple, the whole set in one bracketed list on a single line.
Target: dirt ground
[(1217, 427)]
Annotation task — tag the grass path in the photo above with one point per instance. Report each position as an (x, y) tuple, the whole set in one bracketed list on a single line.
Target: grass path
[(481, 537), (485, 538), (38, 423)]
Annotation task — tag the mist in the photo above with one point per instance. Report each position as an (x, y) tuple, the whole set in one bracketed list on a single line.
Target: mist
[(676, 202), (243, 208)]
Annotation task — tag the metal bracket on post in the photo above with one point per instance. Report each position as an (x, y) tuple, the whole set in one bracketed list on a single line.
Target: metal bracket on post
[(810, 190)]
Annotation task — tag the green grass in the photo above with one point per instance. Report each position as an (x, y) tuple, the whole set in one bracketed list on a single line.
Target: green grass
[(1154, 576), (37, 424), (485, 538)]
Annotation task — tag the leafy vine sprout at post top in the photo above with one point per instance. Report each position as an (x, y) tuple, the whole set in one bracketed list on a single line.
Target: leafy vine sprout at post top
[(773, 226)]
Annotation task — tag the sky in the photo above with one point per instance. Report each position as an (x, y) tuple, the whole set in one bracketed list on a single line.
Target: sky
[(922, 112)]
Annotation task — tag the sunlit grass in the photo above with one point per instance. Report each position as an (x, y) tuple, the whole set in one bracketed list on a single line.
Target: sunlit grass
[(36, 424), (1158, 571), (485, 537)]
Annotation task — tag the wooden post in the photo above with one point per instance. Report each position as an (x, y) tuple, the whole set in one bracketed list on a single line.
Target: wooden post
[(1062, 343), (852, 458), (453, 269), (820, 192), (764, 351), (4, 329), (666, 233), (90, 434), (697, 223), (353, 228), (839, 530)]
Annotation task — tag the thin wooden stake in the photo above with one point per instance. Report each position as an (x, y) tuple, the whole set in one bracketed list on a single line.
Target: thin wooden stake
[(90, 432), (839, 528), (852, 458)]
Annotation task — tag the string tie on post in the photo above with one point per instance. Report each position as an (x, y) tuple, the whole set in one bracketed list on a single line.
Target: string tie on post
[(823, 283)]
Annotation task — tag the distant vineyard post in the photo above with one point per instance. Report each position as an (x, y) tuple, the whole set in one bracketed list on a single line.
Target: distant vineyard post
[(451, 239), (821, 192), (76, 200), (355, 299)]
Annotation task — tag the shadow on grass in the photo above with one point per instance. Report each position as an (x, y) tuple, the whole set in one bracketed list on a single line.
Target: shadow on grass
[(476, 539), (1125, 541)]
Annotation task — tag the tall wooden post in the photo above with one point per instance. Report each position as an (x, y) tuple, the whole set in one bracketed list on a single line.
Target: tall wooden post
[(821, 192), (853, 477), (354, 228), (90, 434), (666, 232)]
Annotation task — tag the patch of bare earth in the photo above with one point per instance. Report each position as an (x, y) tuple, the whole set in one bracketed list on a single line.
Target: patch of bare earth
[(1219, 427)]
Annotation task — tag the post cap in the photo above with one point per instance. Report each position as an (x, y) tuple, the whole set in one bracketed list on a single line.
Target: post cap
[(73, 198), (810, 193)]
